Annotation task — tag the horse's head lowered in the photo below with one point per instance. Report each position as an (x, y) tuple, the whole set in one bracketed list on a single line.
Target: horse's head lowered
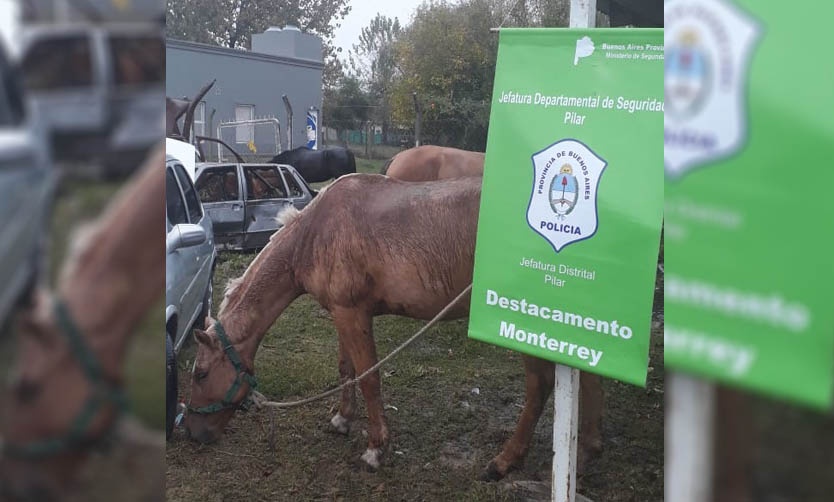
[(220, 383), (59, 404)]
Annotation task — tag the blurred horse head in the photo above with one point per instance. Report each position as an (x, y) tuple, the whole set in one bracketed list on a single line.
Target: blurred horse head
[(65, 391)]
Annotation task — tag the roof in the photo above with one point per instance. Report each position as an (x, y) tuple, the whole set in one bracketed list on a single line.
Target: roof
[(225, 51)]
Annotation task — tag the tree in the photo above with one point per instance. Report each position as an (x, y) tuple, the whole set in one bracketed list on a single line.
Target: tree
[(447, 55), (373, 60), (231, 23), (346, 106)]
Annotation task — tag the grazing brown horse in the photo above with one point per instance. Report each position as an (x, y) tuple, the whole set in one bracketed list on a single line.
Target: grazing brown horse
[(64, 395), (366, 246), (431, 163)]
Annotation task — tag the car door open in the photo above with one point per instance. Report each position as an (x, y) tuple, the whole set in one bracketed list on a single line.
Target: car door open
[(266, 196), (219, 189)]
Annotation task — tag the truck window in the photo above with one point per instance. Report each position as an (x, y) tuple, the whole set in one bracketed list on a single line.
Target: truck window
[(218, 184), (57, 63), (136, 60)]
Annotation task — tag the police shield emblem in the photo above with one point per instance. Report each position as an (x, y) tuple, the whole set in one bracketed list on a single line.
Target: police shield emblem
[(711, 44), (563, 202)]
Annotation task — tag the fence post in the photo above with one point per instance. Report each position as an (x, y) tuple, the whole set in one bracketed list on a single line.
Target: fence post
[(690, 415), (566, 386), (418, 120), (368, 140), (289, 120)]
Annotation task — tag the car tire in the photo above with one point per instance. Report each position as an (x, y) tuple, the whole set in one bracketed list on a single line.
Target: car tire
[(170, 386), (200, 323)]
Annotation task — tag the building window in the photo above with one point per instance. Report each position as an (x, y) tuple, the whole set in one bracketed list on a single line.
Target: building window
[(244, 133), (199, 120)]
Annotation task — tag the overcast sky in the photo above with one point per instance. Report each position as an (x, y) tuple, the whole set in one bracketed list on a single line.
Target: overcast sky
[(361, 14)]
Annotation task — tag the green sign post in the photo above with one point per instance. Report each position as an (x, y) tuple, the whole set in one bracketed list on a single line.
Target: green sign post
[(572, 198), (749, 239)]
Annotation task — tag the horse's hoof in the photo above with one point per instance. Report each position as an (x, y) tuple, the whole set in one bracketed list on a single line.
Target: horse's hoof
[(340, 424), (492, 473), (372, 457)]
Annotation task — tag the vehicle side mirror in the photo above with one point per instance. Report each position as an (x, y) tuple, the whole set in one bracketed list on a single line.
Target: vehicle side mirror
[(19, 149), (185, 235)]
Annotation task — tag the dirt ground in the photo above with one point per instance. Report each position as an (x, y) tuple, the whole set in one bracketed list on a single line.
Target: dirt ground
[(450, 404)]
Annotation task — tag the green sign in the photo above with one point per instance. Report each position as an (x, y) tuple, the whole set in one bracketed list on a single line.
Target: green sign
[(749, 292), (572, 199)]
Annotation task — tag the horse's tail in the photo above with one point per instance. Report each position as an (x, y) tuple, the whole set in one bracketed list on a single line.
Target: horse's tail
[(351, 162), (385, 166)]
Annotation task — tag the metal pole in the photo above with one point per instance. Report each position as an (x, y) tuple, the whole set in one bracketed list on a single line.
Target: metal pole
[(289, 120), (690, 412), (368, 139), (565, 432), (566, 388), (418, 120), (583, 13)]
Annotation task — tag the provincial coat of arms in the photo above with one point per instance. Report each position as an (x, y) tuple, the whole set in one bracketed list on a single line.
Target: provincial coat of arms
[(687, 76), (564, 192), (709, 48), (563, 202)]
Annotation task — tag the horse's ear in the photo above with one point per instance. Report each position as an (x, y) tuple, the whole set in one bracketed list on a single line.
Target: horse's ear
[(204, 338)]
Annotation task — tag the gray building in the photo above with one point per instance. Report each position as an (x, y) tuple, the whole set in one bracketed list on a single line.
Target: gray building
[(62, 11), (250, 85)]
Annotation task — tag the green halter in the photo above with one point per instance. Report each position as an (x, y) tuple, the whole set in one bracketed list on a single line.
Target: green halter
[(242, 375), (104, 393)]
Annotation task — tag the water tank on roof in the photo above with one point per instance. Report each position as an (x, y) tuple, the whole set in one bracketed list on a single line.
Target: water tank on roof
[(288, 42)]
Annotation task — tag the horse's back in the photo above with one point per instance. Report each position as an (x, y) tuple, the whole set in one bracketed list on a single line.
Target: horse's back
[(431, 163), (410, 246), (415, 164)]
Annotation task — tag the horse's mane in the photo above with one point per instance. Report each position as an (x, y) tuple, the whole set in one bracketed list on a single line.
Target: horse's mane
[(286, 216)]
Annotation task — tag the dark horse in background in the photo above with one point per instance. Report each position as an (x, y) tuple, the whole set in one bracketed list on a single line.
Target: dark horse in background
[(318, 165)]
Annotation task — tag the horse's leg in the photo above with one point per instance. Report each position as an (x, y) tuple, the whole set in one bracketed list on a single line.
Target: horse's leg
[(355, 332), (347, 407), (733, 446), (540, 375), (591, 401)]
